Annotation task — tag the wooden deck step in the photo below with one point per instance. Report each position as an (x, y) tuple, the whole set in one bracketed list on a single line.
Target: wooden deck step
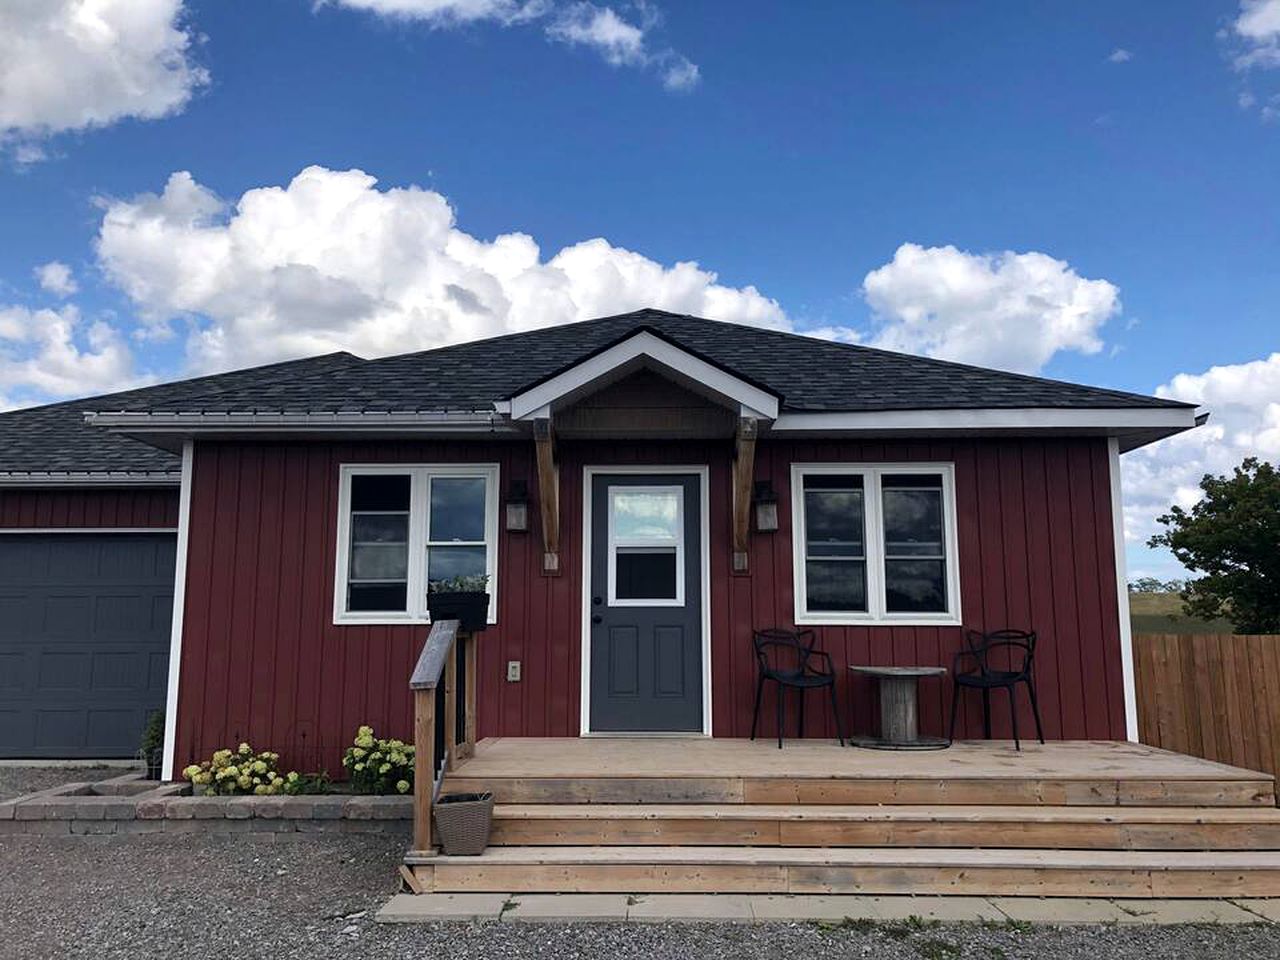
[(807, 870), (1006, 791), (726, 771), (1080, 828)]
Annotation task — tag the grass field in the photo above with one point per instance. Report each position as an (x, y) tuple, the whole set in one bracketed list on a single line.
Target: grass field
[(1162, 613)]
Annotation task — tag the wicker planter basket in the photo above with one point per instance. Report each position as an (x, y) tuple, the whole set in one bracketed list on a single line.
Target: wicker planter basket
[(463, 821)]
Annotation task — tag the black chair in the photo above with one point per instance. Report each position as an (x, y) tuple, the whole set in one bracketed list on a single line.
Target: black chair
[(784, 656), (991, 671)]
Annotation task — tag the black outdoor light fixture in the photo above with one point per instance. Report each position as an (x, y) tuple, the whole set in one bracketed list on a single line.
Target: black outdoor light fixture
[(517, 504), (766, 504)]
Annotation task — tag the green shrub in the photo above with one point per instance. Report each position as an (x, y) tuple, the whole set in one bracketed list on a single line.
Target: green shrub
[(379, 766)]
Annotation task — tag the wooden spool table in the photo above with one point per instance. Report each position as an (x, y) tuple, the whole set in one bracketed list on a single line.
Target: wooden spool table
[(899, 709)]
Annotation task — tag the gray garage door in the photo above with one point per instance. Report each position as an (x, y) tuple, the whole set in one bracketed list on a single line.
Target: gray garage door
[(84, 641)]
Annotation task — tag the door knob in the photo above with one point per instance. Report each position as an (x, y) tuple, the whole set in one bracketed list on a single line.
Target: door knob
[(597, 601), (596, 618)]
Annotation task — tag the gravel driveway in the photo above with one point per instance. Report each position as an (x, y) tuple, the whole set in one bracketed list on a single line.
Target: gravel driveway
[(170, 895)]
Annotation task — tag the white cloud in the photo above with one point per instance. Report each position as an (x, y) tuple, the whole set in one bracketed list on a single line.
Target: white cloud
[(76, 64), (620, 43), (447, 13), (1008, 310), (56, 353), (1243, 401), (621, 40), (1259, 19), (332, 262), (1119, 55), (55, 277), (1253, 40)]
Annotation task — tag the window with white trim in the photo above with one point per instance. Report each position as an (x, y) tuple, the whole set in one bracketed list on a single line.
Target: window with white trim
[(875, 543), (646, 546), (403, 526)]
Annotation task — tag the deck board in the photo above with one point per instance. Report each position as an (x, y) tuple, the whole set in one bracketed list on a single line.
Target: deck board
[(656, 758)]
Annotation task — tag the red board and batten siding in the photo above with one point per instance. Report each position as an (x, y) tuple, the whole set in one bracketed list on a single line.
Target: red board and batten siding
[(263, 660), (55, 508)]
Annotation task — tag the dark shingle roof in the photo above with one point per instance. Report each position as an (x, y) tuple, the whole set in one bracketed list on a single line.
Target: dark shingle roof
[(55, 438), (808, 374)]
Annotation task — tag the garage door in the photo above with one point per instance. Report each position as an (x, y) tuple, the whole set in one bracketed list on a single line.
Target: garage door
[(84, 641)]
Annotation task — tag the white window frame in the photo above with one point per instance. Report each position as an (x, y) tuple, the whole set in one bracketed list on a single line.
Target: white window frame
[(872, 474), (646, 543), (420, 475)]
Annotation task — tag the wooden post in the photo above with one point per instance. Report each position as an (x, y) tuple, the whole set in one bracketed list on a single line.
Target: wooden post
[(450, 718), (469, 655), (744, 469), (424, 739), (548, 495)]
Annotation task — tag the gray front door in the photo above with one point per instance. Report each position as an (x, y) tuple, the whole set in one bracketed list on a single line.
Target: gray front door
[(84, 641), (646, 603)]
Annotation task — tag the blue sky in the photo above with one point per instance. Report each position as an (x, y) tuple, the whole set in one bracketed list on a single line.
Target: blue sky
[(1125, 157)]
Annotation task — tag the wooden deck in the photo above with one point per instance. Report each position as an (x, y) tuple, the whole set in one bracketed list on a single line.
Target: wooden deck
[(655, 770), (1073, 818)]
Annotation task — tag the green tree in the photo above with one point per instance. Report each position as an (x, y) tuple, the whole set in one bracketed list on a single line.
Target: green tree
[(1232, 538)]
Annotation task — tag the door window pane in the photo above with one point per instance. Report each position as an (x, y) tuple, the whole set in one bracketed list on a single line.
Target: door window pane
[(457, 509), (646, 573), (645, 515), (446, 563)]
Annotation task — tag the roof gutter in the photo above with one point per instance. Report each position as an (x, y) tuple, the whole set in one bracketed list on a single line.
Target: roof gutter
[(89, 478), (138, 422), (994, 418)]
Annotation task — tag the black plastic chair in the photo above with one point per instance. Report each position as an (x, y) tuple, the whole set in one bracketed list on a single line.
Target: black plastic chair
[(989, 673), (784, 656)]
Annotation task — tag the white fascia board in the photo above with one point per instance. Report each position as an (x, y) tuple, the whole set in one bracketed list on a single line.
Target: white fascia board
[(89, 478), (526, 405), (991, 418)]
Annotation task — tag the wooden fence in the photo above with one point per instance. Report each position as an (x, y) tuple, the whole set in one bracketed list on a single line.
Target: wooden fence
[(1211, 695)]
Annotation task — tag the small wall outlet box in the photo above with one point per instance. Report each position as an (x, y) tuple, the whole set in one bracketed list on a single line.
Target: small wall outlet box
[(513, 671)]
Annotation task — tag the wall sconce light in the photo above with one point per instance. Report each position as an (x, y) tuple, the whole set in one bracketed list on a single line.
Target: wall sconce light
[(766, 503), (517, 504)]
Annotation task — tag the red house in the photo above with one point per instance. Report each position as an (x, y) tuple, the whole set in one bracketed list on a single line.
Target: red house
[(252, 551)]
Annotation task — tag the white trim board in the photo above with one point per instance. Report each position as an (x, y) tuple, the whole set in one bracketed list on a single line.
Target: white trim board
[(703, 472), (179, 607), (621, 357), (1122, 595)]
